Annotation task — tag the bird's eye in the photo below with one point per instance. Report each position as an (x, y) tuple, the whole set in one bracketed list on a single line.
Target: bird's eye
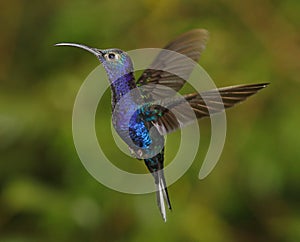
[(111, 56)]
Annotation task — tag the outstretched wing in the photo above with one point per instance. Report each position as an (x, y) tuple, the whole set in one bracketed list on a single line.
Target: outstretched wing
[(178, 112), (171, 69)]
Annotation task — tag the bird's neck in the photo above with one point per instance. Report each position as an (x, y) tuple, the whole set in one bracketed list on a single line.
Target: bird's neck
[(121, 87)]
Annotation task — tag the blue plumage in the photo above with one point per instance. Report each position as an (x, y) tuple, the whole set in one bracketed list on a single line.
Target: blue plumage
[(138, 131)]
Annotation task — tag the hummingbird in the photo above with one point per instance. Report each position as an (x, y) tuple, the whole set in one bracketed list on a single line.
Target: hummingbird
[(143, 127)]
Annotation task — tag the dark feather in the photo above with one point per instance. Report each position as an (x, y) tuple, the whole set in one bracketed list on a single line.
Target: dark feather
[(180, 111), (171, 69)]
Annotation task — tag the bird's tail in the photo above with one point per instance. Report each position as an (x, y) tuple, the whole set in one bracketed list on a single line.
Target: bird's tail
[(156, 167), (162, 195)]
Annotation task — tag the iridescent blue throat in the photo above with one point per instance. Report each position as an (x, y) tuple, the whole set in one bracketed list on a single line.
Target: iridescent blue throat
[(121, 87)]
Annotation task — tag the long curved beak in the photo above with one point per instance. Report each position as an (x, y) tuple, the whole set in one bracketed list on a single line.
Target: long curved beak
[(94, 51)]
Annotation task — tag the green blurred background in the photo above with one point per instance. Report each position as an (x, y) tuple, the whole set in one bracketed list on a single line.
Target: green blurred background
[(45, 192)]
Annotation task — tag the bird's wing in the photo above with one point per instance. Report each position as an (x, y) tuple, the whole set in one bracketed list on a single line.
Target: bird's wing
[(178, 112), (171, 69)]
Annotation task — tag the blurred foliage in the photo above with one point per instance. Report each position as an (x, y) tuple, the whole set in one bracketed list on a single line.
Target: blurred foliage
[(45, 192)]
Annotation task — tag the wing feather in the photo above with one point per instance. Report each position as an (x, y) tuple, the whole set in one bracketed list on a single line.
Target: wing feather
[(171, 68), (175, 113)]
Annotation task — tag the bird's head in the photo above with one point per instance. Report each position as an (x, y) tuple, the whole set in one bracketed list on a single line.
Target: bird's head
[(116, 62)]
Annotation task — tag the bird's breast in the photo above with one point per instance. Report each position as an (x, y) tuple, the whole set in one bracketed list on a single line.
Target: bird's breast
[(143, 139)]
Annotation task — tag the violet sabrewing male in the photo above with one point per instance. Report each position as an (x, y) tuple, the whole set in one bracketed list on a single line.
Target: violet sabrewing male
[(143, 127)]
